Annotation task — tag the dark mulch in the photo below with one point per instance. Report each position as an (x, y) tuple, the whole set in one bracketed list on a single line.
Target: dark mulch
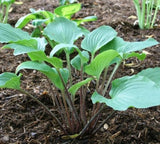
[(23, 121)]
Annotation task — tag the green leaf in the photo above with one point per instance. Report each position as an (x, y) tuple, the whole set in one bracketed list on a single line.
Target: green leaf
[(40, 14), (67, 10), (23, 21), (124, 47), (86, 19), (73, 89), (62, 46), (139, 91), (100, 62), (10, 80), (76, 62), (9, 34), (7, 2), (140, 56), (26, 46), (51, 73), (41, 56), (98, 38), (63, 30)]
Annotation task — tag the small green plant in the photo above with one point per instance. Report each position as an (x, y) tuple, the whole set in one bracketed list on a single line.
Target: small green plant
[(5, 5), (147, 12), (99, 50), (41, 18)]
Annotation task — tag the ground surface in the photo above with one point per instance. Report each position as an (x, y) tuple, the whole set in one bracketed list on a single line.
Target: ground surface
[(23, 121)]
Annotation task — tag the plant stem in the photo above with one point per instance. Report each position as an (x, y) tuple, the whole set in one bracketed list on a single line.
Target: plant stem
[(155, 13), (68, 98), (104, 79), (110, 78), (102, 123), (69, 67), (6, 14), (1, 13), (45, 107), (143, 14), (82, 100), (66, 110), (90, 121)]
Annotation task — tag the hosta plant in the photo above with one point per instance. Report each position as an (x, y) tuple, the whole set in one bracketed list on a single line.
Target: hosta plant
[(41, 18), (5, 6), (146, 12), (84, 77)]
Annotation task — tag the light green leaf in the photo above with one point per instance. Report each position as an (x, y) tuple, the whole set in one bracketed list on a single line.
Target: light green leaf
[(100, 62), (40, 14), (10, 80), (73, 89), (140, 56), (51, 73), (98, 38), (67, 10), (7, 2), (139, 91), (63, 30), (9, 34), (41, 56)]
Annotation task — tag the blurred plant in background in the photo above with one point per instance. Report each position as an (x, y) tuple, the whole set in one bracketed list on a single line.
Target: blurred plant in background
[(146, 12)]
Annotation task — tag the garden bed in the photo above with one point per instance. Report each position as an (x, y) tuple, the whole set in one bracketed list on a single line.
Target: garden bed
[(22, 120)]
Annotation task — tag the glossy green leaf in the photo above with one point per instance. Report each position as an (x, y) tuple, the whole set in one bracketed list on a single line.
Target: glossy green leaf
[(124, 47), (139, 91), (9, 34), (51, 73), (76, 62), (63, 30), (98, 38), (10, 80), (26, 46), (100, 62), (67, 10), (73, 89)]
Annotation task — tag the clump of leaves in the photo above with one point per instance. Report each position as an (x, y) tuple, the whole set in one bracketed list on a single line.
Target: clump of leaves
[(147, 12), (41, 18), (5, 6), (99, 50)]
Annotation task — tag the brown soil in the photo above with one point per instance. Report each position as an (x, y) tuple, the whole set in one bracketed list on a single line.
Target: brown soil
[(23, 121)]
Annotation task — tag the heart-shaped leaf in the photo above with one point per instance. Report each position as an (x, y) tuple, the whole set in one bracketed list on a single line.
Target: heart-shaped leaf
[(62, 30), (98, 38)]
